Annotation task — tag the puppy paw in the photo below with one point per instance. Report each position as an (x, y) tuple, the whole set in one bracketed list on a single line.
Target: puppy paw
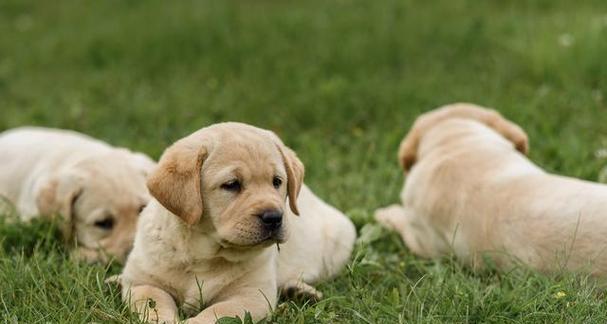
[(89, 256), (297, 289), (114, 280), (390, 217)]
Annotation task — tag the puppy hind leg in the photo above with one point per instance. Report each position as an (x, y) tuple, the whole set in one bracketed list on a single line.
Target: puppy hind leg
[(397, 218), (153, 304), (392, 217)]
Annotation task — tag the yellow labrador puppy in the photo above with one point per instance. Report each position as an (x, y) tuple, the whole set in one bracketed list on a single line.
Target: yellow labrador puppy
[(218, 235), (98, 189), (471, 191)]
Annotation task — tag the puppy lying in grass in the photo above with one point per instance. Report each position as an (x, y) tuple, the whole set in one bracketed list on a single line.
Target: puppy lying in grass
[(97, 189), (218, 235), (471, 191)]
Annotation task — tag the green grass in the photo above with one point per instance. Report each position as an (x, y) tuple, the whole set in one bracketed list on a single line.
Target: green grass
[(340, 82)]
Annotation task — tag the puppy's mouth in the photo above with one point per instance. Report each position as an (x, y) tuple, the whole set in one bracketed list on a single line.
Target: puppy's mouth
[(264, 240)]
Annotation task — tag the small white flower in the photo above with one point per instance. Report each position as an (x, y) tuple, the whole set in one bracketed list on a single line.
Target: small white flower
[(597, 95), (566, 40), (543, 90)]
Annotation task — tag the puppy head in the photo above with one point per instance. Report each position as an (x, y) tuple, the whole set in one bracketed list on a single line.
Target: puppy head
[(232, 180), (100, 199), (407, 153)]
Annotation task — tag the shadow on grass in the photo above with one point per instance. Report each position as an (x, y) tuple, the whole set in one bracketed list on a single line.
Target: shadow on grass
[(41, 235)]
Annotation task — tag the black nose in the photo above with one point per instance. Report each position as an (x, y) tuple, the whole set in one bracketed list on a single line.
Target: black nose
[(271, 219)]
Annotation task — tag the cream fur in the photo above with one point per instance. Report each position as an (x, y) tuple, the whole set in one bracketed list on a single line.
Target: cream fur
[(469, 192), (209, 253), (50, 171)]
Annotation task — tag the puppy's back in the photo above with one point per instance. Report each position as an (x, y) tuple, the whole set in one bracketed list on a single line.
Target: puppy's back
[(29, 151), (47, 138)]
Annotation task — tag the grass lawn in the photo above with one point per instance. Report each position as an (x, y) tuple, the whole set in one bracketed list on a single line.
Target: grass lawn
[(340, 81)]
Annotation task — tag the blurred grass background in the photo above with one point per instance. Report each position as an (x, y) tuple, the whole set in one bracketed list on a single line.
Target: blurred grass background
[(340, 81)]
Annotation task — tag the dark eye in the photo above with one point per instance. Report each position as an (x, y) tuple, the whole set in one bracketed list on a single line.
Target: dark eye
[(106, 223), (232, 185), (276, 182), (141, 209)]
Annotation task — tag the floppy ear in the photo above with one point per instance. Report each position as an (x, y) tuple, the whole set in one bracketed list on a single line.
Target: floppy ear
[(57, 195), (511, 131), (295, 174), (407, 153), (176, 181)]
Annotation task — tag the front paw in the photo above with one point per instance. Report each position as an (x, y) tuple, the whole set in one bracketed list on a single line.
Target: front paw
[(114, 280)]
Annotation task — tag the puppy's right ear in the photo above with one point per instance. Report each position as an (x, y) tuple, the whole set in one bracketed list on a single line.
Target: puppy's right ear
[(176, 181), (511, 131), (57, 195)]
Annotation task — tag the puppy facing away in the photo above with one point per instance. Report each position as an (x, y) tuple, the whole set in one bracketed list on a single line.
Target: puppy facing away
[(98, 189), (221, 237), (471, 191)]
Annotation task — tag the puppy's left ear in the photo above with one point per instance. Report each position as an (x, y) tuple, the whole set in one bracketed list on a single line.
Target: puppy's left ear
[(57, 195), (176, 181), (295, 174), (407, 151)]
